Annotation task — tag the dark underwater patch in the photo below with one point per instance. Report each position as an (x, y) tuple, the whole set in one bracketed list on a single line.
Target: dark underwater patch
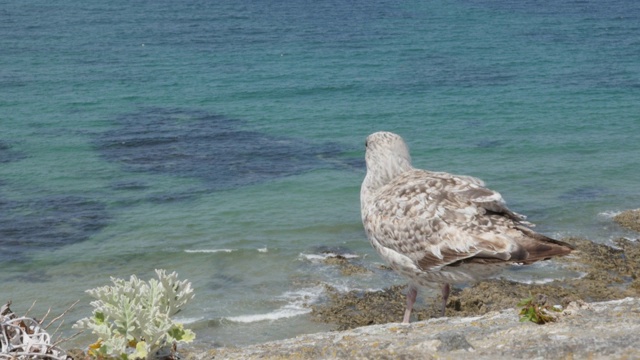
[(584, 193), (33, 276), (47, 223), (7, 154), (44, 223), (489, 144), (214, 148), (129, 185)]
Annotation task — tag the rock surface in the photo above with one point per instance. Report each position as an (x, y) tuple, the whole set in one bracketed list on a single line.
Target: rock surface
[(629, 219), (603, 330)]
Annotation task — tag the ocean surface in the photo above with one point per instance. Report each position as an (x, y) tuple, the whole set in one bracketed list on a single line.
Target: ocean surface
[(224, 139)]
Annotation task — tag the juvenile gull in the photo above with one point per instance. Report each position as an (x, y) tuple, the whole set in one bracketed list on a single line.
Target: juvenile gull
[(439, 228)]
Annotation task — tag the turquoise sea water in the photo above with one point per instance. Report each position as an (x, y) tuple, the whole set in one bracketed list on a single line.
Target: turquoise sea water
[(224, 140)]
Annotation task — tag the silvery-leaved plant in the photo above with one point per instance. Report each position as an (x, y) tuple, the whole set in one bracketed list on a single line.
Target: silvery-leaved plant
[(133, 318)]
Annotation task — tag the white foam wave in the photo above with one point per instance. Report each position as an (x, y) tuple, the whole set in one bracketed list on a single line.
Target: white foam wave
[(209, 251), (324, 256), (580, 275), (281, 313), (609, 214), (296, 305), (537, 282), (213, 251), (189, 320)]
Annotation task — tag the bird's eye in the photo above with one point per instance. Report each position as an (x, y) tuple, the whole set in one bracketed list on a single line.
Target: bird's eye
[(365, 144)]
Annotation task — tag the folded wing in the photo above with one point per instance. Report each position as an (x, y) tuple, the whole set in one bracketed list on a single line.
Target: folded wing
[(439, 219)]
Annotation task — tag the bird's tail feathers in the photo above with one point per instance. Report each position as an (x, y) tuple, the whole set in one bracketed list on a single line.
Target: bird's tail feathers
[(540, 247)]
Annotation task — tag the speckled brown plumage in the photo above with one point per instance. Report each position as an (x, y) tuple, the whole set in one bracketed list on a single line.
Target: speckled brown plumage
[(439, 228)]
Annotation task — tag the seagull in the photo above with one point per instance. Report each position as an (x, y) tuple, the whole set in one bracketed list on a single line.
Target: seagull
[(435, 228)]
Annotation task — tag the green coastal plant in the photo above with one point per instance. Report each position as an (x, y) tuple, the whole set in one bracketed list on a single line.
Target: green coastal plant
[(133, 318), (536, 310)]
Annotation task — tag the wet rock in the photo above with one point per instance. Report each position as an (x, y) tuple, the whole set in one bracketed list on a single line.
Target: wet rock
[(347, 268), (629, 219), (360, 308)]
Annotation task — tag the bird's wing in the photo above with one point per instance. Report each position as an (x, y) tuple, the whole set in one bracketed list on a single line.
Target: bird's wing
[(438, 219), (474, 190)]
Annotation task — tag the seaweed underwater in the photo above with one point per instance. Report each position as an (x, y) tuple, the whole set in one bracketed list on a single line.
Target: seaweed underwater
[(219, 151), (44, 222), (216, 149), (47, 223)]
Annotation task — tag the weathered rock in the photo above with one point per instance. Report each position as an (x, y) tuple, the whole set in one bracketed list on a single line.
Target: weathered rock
[(604, 330), (346, 267), (629, 219)]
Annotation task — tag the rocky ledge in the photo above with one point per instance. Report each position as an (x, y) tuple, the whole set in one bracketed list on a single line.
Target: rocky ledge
[(629, 219), (601, 330)]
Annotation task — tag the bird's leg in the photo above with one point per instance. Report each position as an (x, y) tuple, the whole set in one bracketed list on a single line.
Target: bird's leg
[(411, 299), (445, 296)]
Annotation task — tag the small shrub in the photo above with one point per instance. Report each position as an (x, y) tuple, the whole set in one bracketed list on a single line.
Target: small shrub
[(132, 318)]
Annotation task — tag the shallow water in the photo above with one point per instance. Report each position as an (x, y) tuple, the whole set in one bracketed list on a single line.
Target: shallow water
[(136, 136)]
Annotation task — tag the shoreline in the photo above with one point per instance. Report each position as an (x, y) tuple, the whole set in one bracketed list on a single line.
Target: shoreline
[(596, 330), (601, 317)]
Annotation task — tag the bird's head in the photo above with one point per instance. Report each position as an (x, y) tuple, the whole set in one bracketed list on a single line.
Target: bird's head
[(387, 156)]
